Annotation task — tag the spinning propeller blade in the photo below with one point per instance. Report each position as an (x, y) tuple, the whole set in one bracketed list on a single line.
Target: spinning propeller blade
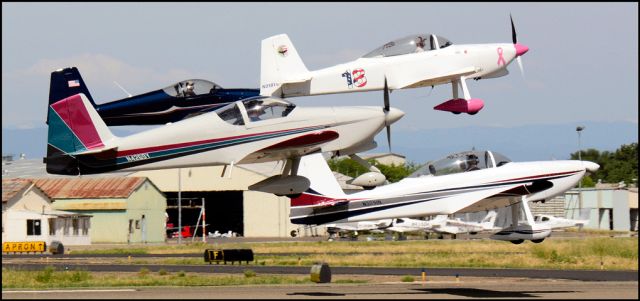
[(386, 110), (520, 49)]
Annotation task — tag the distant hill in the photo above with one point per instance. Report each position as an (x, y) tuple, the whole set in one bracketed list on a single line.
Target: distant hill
[(522, 143)]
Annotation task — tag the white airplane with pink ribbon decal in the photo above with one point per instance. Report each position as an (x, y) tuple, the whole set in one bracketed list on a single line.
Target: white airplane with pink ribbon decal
[(414, 61)]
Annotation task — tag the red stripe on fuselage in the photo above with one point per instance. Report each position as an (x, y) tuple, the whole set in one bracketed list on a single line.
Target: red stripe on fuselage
[(192, 143), (309, 199), (305, 140), (538, 176), (80, 124)]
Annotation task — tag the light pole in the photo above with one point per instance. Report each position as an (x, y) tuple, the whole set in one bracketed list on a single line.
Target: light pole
[(179, 206), (579, 130)]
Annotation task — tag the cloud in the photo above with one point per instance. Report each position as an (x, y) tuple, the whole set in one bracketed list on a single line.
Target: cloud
[(25, 90), (100, 66)]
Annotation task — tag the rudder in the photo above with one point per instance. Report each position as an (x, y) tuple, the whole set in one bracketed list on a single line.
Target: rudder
[(67, 82), (280, 64), (75, 128)]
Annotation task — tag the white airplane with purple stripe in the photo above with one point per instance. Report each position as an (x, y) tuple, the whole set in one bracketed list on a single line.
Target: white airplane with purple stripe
[(419, 60), (459, 183), (251, 130)]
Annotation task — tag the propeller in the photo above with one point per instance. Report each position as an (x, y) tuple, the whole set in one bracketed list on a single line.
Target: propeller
[(520, 49), (386, 110)]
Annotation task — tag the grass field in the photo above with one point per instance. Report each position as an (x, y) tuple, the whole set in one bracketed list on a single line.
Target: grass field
[(561, 253)]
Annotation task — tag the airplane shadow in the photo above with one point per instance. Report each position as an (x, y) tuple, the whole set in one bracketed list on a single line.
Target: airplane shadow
[(482, 293), (465, 292)]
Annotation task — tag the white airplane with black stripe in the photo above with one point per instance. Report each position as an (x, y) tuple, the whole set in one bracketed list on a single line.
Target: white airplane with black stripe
[(463, 182)]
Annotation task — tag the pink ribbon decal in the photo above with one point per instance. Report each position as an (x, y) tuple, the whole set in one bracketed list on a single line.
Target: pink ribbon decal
[(500, 57)]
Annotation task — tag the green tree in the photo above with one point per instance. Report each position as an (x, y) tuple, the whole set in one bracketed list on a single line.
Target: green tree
[(617, 166), (350, 167)]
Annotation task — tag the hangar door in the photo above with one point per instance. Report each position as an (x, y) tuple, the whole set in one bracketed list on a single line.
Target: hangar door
[(223, 211)]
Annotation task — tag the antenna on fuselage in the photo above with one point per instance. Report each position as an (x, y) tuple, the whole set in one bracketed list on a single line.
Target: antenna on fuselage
[(125, 91)]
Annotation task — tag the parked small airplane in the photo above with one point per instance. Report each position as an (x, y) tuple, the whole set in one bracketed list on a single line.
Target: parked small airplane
[(252, 130), (443, 224), (181, 100), (559, 222), (355, 227), (414, 61), (463, 182)]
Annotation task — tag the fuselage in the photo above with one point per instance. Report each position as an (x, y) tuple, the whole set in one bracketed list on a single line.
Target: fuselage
[(158, 107), (207, 139), (471, 191), (411, 70)]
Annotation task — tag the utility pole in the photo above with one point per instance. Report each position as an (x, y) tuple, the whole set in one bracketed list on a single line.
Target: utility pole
[(204, 223), (579, 130), (179, 206)]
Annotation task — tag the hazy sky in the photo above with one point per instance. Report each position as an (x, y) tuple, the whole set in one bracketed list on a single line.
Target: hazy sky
[(582, 64)]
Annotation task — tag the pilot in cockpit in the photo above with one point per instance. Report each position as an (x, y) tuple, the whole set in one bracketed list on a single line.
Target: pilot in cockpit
[(255, 112), (188, 90), (472, 162), (419, 44)]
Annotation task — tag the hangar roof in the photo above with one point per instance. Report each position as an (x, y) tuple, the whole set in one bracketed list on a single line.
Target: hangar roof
[(11, 187), (89, 188)]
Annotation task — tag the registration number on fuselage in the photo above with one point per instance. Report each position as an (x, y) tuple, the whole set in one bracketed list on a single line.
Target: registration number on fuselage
[(371, 203), (137, 157)]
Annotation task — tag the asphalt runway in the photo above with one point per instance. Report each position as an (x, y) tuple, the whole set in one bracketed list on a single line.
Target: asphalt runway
[(382, 283), (583, 275), (471, 288)]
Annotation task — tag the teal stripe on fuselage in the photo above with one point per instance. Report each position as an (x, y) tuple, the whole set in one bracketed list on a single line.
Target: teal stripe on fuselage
[(215, 145), (60, 135)]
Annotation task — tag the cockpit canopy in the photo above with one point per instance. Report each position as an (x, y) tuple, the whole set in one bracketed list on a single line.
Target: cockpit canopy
[(461, 162), (410, 44), (258, 108), (191, 87)]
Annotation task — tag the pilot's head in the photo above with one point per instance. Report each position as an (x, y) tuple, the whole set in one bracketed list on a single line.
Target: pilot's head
[(472, 160)]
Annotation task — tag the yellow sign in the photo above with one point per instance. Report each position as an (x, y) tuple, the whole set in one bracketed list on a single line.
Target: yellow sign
[(25, 246)]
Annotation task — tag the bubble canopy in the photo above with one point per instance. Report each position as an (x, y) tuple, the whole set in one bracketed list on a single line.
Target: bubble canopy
[(461, 162), (410, 44), (191, 87)]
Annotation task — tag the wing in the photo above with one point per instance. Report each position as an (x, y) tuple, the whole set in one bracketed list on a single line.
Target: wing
[(402, 80), (294, 147)]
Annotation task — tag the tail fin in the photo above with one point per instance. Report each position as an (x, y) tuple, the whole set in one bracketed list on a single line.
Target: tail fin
[(280, 64), (323, 183), (67, 82), (324, 190), (75, 128)]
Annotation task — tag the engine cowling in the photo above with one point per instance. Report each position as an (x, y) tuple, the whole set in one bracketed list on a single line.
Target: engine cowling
[(369, 180)]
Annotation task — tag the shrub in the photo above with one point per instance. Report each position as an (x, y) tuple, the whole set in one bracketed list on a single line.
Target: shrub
[(162, 272), (249, 273), (407, 278), (79, 276), (181, 274), (143, 272)]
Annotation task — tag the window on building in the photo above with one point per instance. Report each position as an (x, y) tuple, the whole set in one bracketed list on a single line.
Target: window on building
[(130, 226), (67, 225), (85, 226), (137, 224), (33, 227), (52, 226), (76, 225)]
